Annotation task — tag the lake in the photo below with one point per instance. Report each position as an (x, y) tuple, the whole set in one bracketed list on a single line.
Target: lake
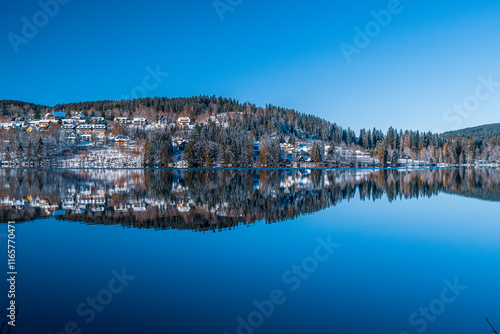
[(253, 251)]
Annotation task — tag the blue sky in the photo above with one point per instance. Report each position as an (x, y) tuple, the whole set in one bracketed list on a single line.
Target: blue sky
[(416, 72)]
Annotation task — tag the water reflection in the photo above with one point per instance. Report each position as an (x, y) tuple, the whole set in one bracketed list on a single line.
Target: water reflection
[(217, 199)]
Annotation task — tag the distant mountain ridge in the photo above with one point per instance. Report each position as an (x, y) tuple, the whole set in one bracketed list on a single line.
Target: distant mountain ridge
[(487, 129)]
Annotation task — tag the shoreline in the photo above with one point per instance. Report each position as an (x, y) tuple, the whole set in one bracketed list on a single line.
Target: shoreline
[(495, 166)]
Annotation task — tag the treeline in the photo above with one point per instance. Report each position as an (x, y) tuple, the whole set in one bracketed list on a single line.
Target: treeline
[(210, 144), (158, 150), (488, 129), (433, 148), (259, 121), (34, 148)]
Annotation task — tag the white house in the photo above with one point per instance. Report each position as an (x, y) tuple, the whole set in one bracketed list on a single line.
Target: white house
[(162, 120), (139, 121), (183, 120)]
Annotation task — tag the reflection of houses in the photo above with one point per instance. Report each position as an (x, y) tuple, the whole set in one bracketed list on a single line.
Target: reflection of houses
[(86, 137), (40, 203), (97, 120), (18, 204), (97, 199), (183, 121), (183, 207), (85, 199), (69, 203), (121, 207), (121, 120), (139, 207), (121, 189), (122, 140), (44, 205)]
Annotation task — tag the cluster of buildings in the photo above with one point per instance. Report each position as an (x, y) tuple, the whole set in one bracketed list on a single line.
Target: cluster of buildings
[(78, 130), (21, 123), (76, 125), (136, 121)]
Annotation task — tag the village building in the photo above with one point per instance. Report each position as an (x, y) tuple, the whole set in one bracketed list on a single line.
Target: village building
[(139, 121), (162, 120), (32, 128), (84, 129), (43, 124), (183, 121), (122, 140), (68, 126), (99, 128), (79, 119), (55, 116), (288, 148), (86, 137)]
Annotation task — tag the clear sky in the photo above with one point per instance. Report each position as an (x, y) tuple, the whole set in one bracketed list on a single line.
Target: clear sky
[(409, 71)]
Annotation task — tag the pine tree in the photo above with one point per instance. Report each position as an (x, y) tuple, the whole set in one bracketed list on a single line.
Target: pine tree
[(148, 158), (317, 152), (383, 155), (471, 151)]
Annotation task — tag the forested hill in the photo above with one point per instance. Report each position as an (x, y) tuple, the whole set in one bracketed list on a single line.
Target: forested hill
[(222, 131), (258, 120), (482, 130)]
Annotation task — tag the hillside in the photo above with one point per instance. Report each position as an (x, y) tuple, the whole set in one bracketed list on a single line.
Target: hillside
[(210, 131), (482, 130)]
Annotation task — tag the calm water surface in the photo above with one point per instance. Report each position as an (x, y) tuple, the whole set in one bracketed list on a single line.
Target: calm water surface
[(271, 251)]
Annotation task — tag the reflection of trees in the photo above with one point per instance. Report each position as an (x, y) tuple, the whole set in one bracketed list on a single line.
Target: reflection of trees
[(218, 199)]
